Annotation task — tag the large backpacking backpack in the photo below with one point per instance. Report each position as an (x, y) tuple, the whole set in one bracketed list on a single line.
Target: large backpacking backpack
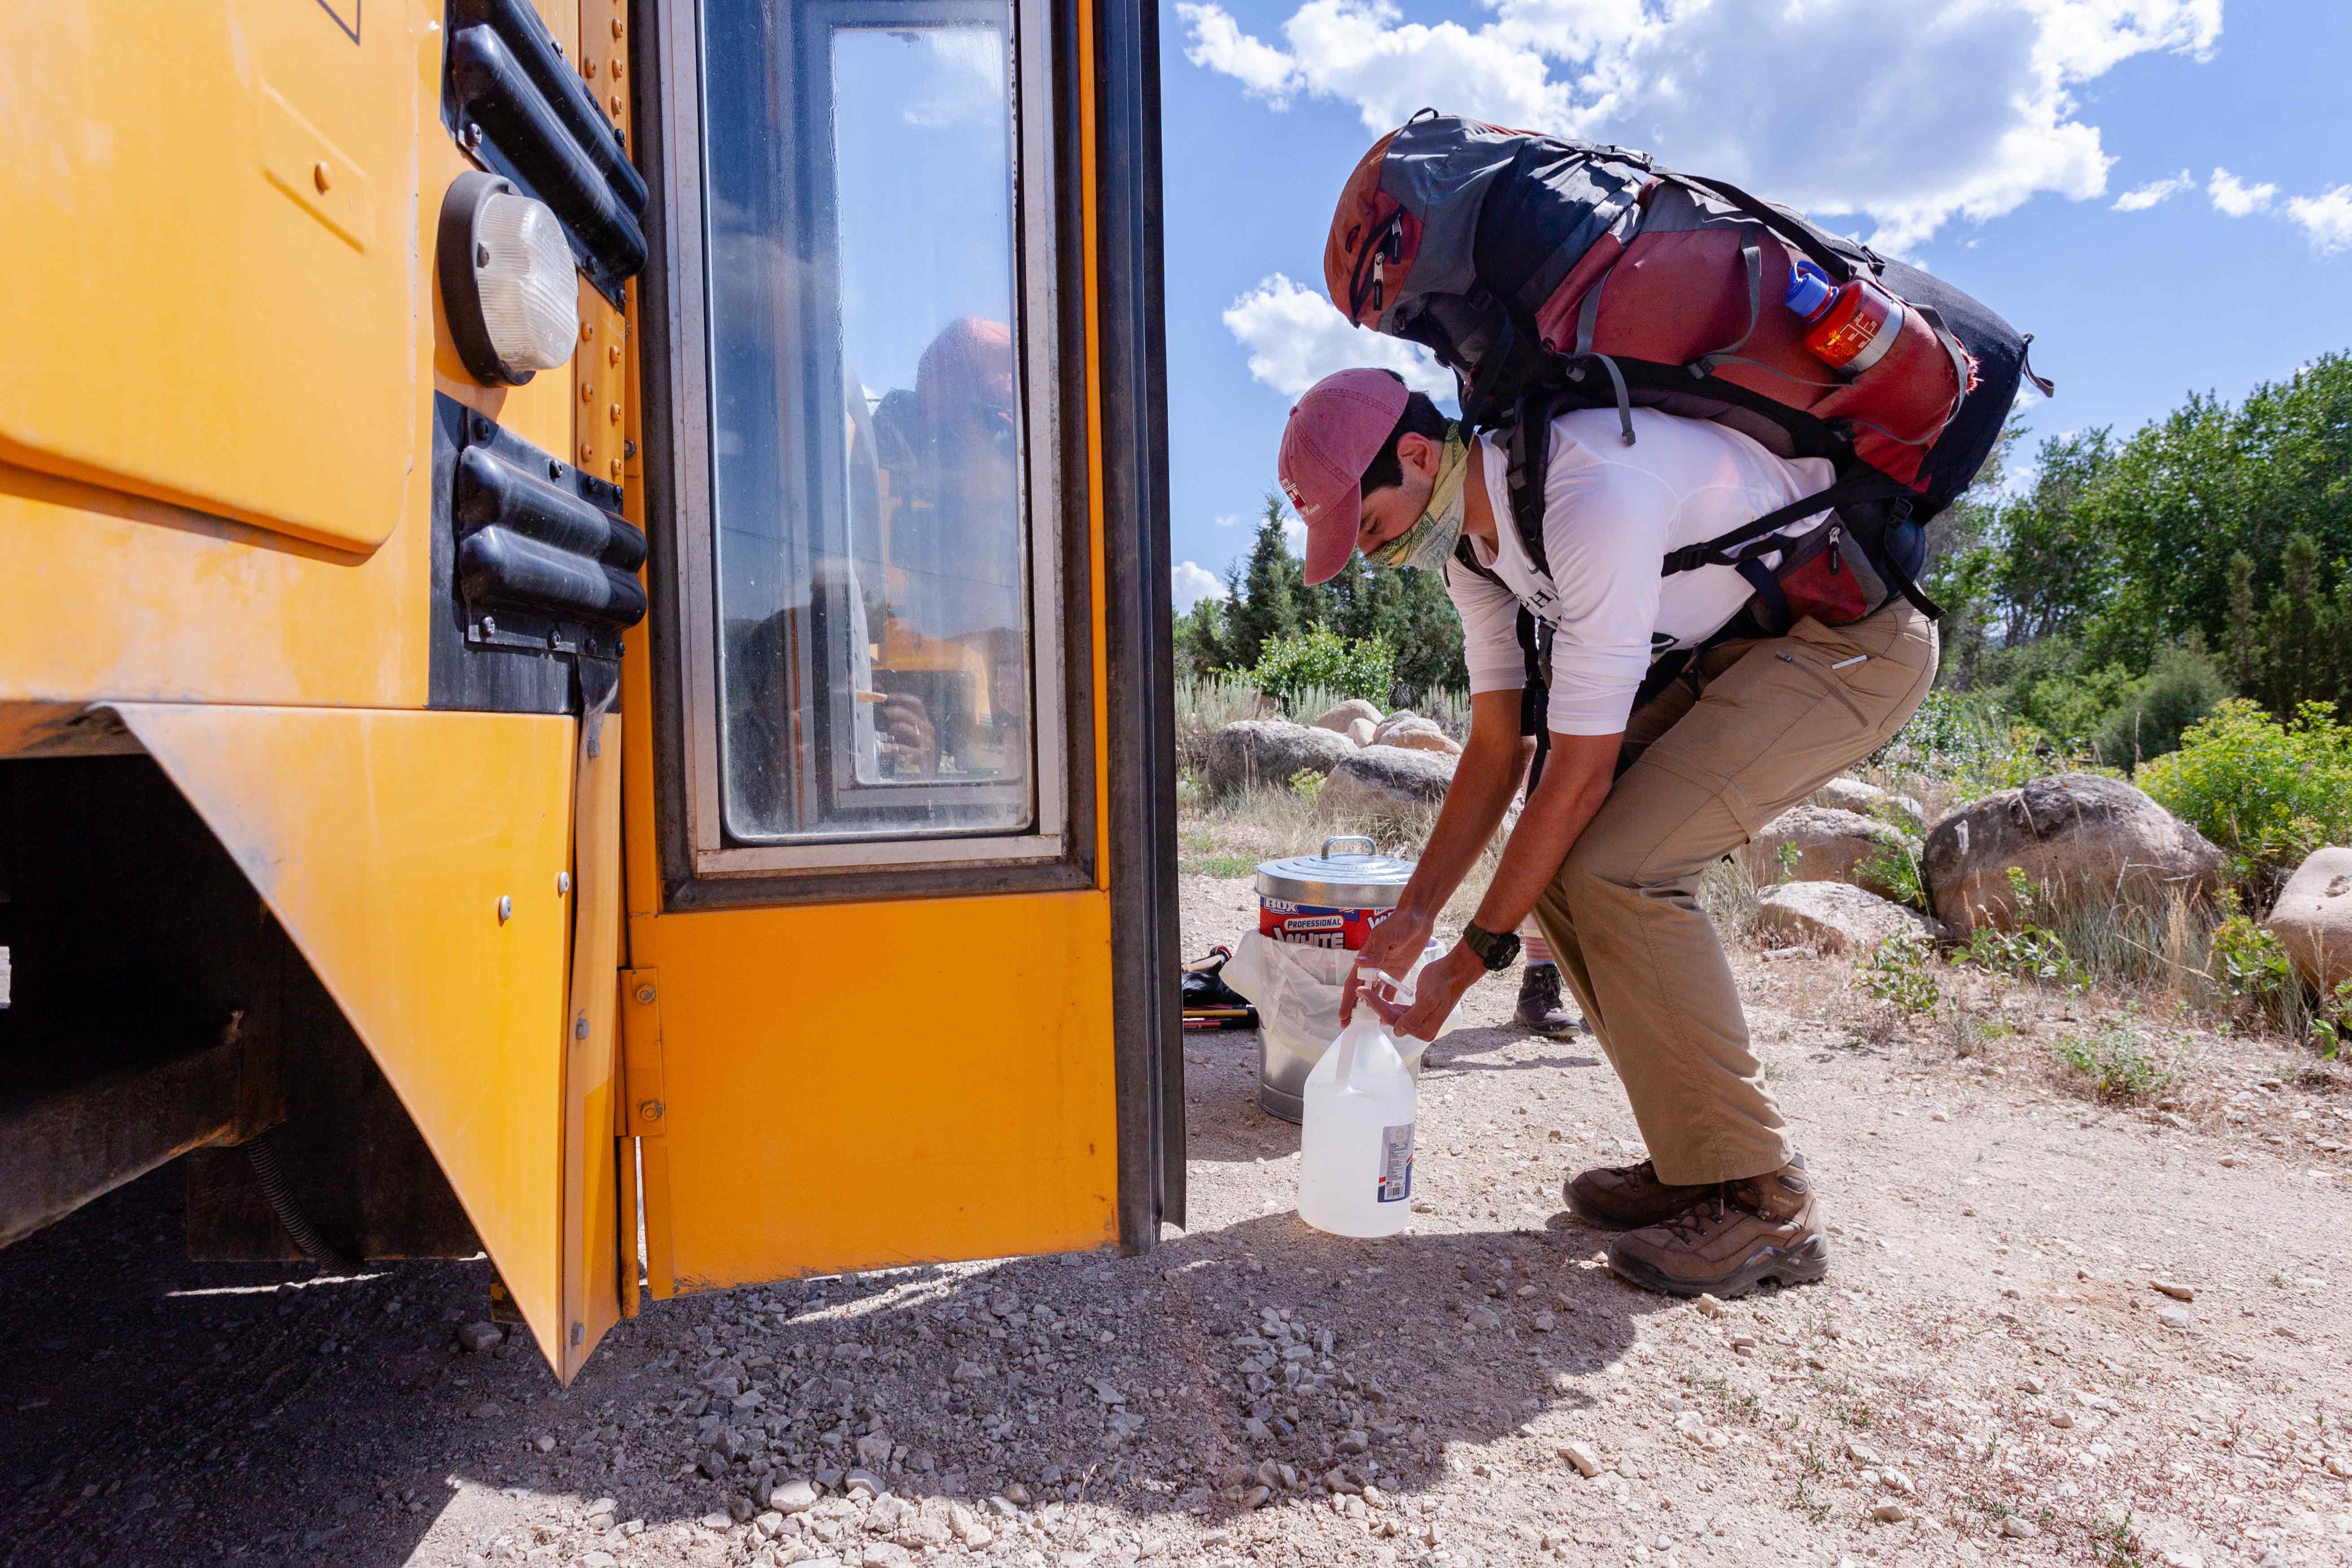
[(1528, 264)]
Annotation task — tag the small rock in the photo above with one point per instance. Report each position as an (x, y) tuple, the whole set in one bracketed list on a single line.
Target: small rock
[(479, 1337), (2018, 1528), (1581, 1455), (488, 1410), (1895, 1480), (2173, 1318), (795, 1496), (2179, 1292), (1861, 1454), (1545, 1322), (1354, 1442), (863, 1482), (1018, 1493), (1889, 1513), (2030, 1384), (1708, 1307), (1484, 1318), (544, 1443), (1743, 1344), (770, 1524)]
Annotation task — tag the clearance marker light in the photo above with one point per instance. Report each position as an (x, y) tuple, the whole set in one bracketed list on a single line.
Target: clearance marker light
[(507, 283)]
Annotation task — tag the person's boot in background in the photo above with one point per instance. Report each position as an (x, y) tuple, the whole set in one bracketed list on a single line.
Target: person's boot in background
[(1542, 1007)]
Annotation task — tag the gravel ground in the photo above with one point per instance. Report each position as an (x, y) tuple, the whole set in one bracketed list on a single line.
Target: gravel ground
[(2052, 1332)]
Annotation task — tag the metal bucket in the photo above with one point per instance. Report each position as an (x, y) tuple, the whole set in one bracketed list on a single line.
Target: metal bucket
[(1317, 901)]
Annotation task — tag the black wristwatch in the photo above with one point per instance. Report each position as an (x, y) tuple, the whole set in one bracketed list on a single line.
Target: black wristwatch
[(1494, 952)]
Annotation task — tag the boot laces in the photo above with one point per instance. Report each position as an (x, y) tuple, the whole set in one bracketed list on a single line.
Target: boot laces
[(1694, 1223)]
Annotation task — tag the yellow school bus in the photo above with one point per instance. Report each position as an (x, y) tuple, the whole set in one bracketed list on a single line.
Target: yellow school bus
[(584, 653)]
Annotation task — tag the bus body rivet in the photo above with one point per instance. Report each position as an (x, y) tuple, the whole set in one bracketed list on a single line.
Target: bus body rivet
[(644, 993), (506, 907)]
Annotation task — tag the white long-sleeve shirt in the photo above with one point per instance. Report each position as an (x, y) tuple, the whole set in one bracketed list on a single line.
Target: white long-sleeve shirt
[(1611, 513)]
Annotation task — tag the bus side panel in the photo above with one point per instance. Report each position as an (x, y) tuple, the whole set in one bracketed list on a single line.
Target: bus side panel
[(211, 208), (863, 1085), (414, 858)]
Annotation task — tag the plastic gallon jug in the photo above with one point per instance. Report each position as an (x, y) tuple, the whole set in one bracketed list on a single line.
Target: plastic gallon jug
[(1355, 1148)]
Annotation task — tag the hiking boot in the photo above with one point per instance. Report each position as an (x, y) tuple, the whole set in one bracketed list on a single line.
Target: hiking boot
[(1740, 1233), (1624, 1196), (1540, 1007)]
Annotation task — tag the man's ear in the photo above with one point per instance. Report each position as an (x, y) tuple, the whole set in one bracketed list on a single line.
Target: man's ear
[(1417, 454)]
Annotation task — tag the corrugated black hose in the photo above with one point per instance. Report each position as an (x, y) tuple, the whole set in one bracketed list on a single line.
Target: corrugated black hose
[(262, 1160)]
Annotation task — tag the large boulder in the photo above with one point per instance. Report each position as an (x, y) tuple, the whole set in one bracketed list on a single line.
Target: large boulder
[(2075, 836), (1381, 781), (1832, 847), (1869, 800), (1835, 917), (1339, 718), (1360, 732), (1402, 719), (1431, 738), (1270, 751), (1414, 733), (2312, 919)]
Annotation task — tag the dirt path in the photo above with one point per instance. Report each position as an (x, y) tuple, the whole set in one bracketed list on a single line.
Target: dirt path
[(1989, 1365)]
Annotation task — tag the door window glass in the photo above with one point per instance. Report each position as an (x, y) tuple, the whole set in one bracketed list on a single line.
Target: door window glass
[(876, 660)]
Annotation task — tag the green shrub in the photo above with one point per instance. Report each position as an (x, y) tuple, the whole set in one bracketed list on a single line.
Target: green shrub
[(2268, 793), (1971, 741), (2118, 1065), (2032, 950), (2182, 688), (1900, 973), (1891, 867), (2248, 962), (1307, 785), (1351, 666)]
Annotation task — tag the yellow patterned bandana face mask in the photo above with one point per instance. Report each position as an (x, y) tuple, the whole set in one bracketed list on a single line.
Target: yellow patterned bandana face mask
[(1430, 541)]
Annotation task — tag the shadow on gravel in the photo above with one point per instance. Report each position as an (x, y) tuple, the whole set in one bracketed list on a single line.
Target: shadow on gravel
[(167, 1412)]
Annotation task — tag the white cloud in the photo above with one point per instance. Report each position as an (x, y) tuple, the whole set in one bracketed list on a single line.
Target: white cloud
[(2139, 198), (1294, 534), (1951, 107), (2234, 198), (1192, 583), (2325, 218), (1296, 338), (1231, 519), (1220, 45)]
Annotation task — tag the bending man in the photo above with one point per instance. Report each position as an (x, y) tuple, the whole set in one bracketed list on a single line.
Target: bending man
[(1638, 798)]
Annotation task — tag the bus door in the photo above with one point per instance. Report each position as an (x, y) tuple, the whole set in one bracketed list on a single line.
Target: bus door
[(900, 844)]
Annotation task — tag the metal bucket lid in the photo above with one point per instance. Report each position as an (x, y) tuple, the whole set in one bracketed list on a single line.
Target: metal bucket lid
[(1369, 880)]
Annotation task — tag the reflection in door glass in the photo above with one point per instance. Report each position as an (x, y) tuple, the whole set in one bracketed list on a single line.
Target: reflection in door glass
[(876, 667)]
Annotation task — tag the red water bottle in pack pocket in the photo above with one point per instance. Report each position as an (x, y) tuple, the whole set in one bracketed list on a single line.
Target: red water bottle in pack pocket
[(1849, 326)]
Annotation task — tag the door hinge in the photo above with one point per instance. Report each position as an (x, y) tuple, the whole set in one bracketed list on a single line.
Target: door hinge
[(643, 1114)]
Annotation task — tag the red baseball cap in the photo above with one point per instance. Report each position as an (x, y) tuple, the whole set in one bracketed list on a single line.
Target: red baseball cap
[(1335, 432)]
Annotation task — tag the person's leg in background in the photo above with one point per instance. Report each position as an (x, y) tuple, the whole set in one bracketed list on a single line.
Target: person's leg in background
[(1543, 1008)]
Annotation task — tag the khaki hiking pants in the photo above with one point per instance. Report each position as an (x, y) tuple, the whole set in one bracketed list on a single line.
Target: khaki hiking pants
[(1771, 722)]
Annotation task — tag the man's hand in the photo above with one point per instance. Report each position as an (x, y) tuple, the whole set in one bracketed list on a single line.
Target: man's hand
[(1440, 985), (1391, 947)]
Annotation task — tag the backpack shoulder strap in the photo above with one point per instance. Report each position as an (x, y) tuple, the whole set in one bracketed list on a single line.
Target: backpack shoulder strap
[(1468, 559), (1528, 459)]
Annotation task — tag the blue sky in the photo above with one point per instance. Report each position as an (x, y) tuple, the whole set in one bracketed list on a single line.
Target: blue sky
[(2160, 190)]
